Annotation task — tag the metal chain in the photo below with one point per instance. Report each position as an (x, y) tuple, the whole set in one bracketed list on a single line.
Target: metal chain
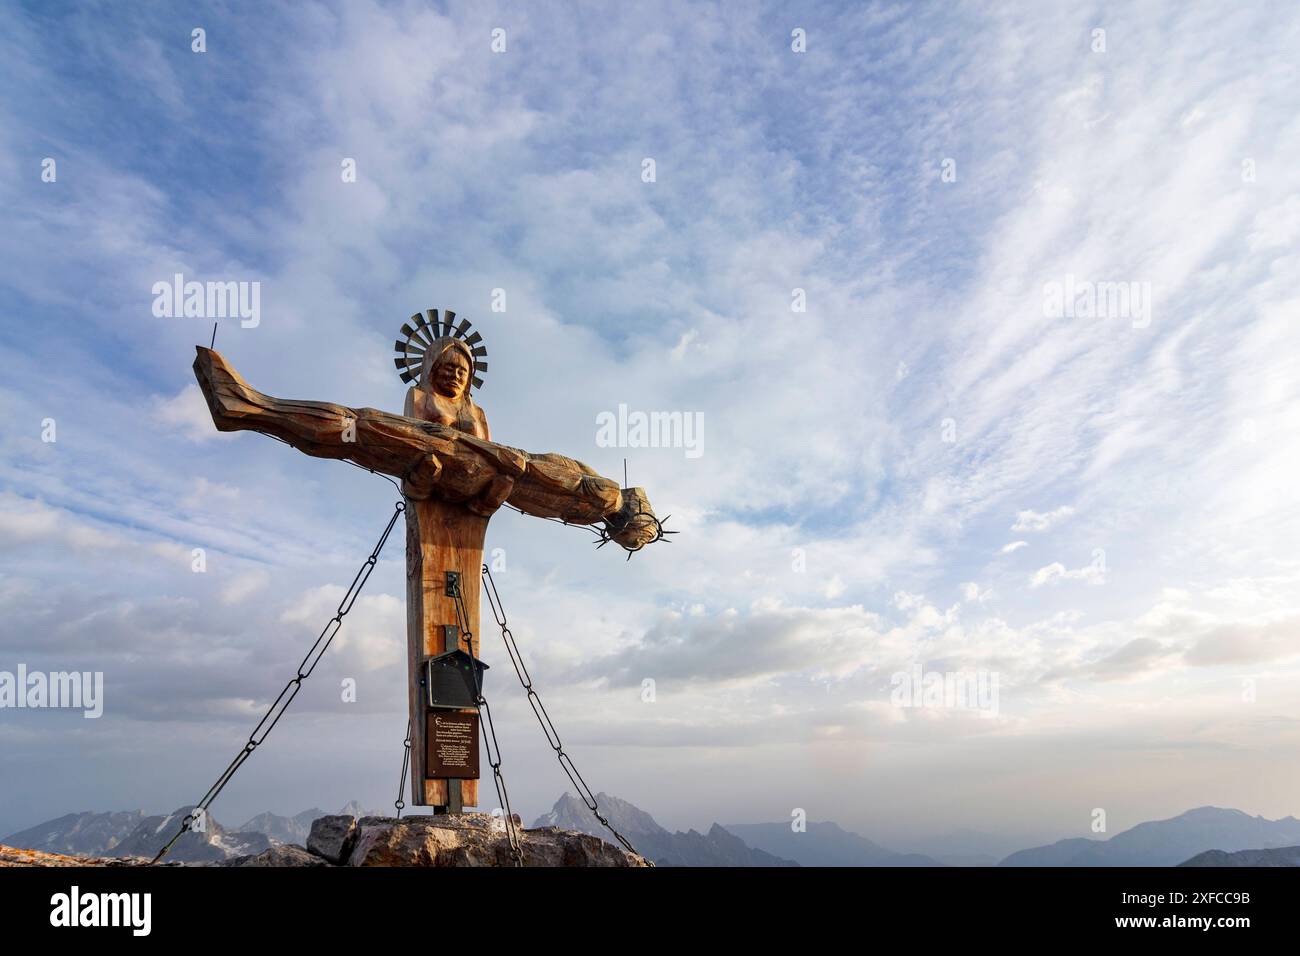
[(346, 461), (543, 718), (281, 704), (490, 738), (399, 803)]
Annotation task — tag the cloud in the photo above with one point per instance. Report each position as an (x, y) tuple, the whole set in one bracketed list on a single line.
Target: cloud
[(767, 641), (1094, 573), (1135, 659), (907, 602), (1013, 546), (187, 412), (34, 525), (1247, 642), (373, 637), (1041, 521), (243, 586)]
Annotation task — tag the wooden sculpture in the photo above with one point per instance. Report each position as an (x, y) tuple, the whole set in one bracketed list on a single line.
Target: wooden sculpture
[(453, 478)]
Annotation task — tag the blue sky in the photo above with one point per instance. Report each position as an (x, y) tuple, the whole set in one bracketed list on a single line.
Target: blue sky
[(921, 417)]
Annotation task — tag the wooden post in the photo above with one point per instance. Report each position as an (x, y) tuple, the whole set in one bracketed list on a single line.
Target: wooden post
[(440, 537)]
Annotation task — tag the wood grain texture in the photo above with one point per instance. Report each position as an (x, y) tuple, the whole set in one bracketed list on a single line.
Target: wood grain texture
[(453, 478), (440, 537), (430, 458)]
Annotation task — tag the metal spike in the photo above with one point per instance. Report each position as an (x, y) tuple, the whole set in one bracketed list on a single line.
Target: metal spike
[(479, 350), (463, 328), (407, 377), (480, 366), (423, 338), (432, 333), (478, 382), (445, 328), (474, 339)]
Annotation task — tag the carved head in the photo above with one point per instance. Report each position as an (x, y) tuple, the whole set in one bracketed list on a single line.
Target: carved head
[(448, 368)]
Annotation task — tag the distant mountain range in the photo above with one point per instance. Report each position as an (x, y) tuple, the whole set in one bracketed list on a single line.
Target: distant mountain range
[(823, 844), (1278, 856), (131, 833), (718, 847), (296, 828), (1206, 836), (1167, 842), (85, 834), (967, 847)]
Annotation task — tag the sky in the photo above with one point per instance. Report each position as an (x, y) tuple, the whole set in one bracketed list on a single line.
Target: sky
[(841, 238)]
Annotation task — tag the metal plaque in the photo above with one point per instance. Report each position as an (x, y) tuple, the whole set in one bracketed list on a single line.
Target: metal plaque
[(451, 746), (452, 680)]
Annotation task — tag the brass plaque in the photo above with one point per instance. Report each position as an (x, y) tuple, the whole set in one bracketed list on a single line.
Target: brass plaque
[(451, 746)]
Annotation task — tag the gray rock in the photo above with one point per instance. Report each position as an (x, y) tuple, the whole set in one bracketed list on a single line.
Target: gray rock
[(332, 837), (285, 854), (475, 839), (471, 839), (18, 856)]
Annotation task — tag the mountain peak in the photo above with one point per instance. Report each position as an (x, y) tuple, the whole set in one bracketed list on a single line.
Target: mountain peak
[(718, 847), (1209, 812), (1167, 842), (571, 813)]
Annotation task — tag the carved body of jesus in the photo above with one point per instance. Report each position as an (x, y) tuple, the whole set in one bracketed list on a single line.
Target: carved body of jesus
[(442, 396), (453, 477), (445, 401)]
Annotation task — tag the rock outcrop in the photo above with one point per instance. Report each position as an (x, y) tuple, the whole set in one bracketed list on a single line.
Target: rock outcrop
[(331, 837), (470, 839), (284, 854), (14, 856)]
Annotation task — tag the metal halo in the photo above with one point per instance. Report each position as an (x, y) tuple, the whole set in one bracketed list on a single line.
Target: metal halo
[(420, 332)]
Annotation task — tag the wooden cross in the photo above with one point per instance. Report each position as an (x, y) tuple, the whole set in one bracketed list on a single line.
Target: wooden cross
[(453, 478)]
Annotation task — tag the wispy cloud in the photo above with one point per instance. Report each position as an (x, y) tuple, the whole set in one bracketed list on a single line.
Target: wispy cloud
[(1041, 521)]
